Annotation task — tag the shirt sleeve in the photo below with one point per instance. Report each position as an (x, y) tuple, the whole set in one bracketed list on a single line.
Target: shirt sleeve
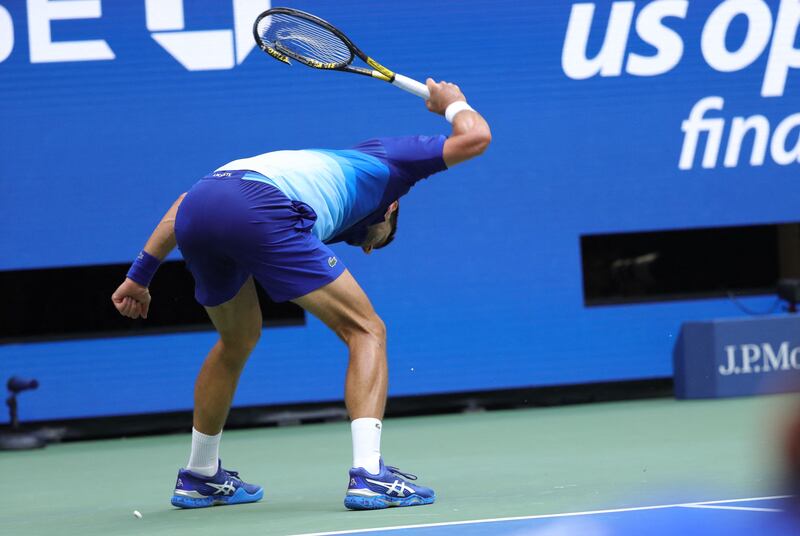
[(409, 158)]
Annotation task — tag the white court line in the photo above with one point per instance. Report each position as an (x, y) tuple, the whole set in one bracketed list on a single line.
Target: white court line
[(540, 516), (744, 500), (721, 507)]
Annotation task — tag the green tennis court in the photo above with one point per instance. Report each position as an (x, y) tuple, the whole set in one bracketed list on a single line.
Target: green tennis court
[(487, 465)]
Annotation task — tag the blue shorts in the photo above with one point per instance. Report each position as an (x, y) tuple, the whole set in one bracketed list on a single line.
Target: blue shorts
[(229, 228)]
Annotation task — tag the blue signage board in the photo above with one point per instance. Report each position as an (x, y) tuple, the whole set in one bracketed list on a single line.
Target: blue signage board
[(608, 117), (738, 357)]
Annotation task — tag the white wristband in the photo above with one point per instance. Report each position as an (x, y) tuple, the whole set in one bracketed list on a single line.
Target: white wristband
[(455, 107)]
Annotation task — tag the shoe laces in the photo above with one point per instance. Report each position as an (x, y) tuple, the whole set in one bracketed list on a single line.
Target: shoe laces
[(396, 471), (233, 474)]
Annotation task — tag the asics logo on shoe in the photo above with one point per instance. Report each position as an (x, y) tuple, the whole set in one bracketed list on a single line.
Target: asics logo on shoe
[(179, 484), (352, 482), (222, 489), (398, 487)]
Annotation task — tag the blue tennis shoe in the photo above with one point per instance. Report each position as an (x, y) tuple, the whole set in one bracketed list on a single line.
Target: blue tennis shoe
[(193, 490), (388, 488)]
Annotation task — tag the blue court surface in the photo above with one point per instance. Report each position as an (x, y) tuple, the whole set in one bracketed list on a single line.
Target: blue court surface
[(752, 516)]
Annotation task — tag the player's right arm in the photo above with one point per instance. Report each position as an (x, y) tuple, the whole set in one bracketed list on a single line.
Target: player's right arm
[(132, 299), (471, 134)]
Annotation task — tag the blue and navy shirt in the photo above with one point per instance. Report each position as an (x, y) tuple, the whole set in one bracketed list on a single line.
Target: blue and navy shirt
[(348, 189)]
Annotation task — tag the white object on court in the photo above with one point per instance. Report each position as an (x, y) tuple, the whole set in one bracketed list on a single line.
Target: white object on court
[(137, 514)]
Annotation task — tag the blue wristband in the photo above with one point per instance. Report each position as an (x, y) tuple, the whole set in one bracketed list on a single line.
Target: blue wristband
[(143, 268)]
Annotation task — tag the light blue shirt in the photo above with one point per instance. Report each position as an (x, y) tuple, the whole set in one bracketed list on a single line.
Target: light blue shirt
[(347, 189), (343, 187)]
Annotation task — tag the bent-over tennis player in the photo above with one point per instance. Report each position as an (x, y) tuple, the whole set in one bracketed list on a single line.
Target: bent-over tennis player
[(269, 218)]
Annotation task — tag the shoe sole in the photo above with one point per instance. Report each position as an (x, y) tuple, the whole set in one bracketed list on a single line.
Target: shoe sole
[(379, 502), (239, 497)]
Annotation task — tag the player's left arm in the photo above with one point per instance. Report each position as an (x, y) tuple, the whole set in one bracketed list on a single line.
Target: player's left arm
[(132, 299), (471, 133), (162, 241)]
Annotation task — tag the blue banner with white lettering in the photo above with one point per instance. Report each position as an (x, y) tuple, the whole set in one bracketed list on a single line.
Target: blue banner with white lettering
[(607, 117), (738, 357)]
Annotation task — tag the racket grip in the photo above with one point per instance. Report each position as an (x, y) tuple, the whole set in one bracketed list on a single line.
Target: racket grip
[(412, 86)]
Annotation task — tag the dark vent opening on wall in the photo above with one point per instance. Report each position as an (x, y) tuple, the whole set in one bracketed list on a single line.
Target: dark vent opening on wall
[(688, 264), (75, 302)]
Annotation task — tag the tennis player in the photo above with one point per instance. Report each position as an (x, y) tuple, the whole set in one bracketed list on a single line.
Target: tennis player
[(269, 218)]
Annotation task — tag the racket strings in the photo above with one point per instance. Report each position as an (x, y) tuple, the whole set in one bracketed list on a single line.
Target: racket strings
[(303, 38)]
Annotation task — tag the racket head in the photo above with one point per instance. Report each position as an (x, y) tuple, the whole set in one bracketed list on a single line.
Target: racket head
[(285, 33)]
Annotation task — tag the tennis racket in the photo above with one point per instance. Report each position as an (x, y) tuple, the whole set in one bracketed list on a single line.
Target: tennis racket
[(286, 33)]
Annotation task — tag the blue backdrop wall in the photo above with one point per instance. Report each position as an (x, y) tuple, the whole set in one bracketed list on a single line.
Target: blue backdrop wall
[(107, 115)]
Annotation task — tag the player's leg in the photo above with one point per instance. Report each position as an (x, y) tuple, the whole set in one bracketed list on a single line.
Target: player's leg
[(344, 307), (204, 482), (238, 323)]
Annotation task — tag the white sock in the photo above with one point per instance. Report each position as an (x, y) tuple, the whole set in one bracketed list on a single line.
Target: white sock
[(367, 443), (205, 453)]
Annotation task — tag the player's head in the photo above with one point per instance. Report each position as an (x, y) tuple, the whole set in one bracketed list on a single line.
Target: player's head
[(381, 234)]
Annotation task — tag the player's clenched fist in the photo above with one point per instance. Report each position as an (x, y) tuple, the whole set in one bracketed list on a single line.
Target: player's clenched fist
[(131, 299)]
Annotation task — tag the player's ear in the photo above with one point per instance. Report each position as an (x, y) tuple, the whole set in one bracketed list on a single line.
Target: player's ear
[(391, 208)]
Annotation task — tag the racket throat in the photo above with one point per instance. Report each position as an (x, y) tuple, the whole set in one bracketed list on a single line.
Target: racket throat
[(380, 76), (386, 73)]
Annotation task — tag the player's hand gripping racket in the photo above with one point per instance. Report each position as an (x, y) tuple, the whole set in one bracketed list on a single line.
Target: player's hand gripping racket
[(285, 33)]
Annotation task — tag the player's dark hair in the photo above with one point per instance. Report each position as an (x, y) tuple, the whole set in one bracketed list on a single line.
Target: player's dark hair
[(393, 223)]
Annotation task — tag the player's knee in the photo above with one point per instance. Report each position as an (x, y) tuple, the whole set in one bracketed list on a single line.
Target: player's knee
[(241, 341), (251, 337), (377, 329), (371, 329)]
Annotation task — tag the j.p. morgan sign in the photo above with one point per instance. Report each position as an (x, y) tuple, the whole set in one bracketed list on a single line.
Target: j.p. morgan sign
[(735, 357), (760, 358)]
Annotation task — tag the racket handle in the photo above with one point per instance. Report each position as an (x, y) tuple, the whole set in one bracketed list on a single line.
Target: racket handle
[(412, 86)]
